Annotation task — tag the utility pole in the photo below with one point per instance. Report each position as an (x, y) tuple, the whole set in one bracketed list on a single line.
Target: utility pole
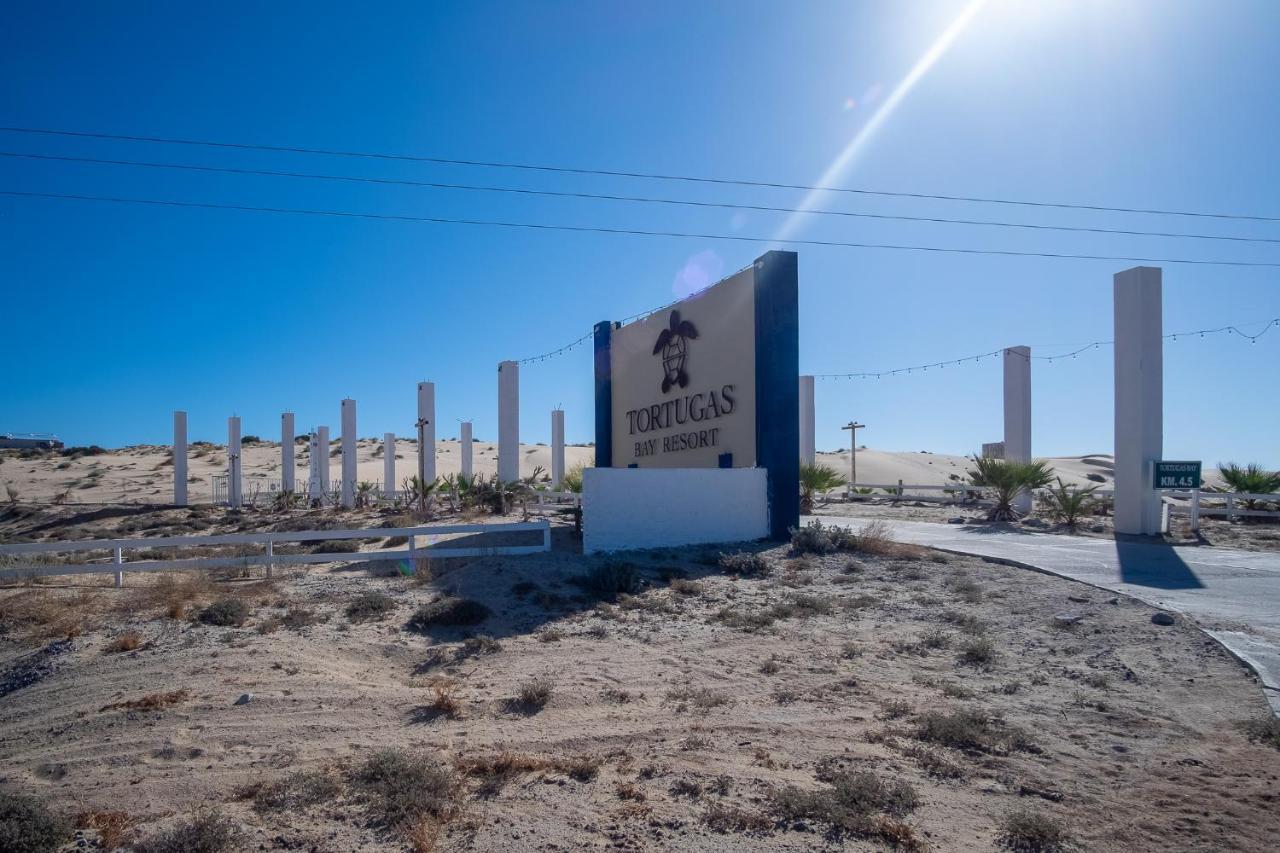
[(853, 428)]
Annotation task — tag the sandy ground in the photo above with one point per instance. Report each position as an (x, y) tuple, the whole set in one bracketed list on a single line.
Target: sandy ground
[(674, 720), (1252, 535), (144, 473)]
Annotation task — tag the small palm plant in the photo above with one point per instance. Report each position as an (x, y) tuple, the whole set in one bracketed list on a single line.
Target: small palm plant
[(1007, 477), (1249, 479), (816, 479), (1067, 503)]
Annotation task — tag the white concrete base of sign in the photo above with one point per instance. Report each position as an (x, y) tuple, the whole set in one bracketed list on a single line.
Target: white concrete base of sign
[(627, 508)]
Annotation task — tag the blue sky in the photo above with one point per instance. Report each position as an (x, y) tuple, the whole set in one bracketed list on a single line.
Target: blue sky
[(115, 315)]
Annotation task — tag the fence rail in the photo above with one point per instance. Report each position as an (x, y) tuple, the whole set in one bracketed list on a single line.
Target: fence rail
[(268, 541)]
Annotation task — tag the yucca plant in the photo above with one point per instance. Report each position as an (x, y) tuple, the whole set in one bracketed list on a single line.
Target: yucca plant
[(1067, 503), (1005, 478), (1250, 479), (815, 479)]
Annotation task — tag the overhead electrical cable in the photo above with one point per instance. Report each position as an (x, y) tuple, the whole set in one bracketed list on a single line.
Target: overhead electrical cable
[(449, 161), (231, 170), (600, 229)]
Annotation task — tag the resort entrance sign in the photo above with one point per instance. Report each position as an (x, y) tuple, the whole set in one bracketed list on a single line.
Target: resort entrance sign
[(1176, 475), (709, 382)]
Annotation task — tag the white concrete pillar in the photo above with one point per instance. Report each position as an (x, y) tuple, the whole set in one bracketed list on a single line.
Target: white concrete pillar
[(1017, 414), (557, 448), (287, 481), (389, 465), (235, 495), (322, 461), (508, 421), (315, 490), (180, 458), (348, 453), (808, 436), (427, 431), (1139, 389), (464, 449)]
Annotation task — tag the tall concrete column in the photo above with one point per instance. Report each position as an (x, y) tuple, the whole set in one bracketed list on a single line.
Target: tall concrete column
[(348, 453), (315, 490), (808, 435), (323, 460), (1017, 414), (389, 465), (180, 458), (508, 421), (464, 449), (1139, 389), (287, 483), (235, 493), (557, 448), (427, 431)]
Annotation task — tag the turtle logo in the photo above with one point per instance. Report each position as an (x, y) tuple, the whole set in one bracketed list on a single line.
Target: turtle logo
[(673, 343)]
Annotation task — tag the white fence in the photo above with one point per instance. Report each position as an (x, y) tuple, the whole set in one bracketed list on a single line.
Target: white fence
[(434, 547)]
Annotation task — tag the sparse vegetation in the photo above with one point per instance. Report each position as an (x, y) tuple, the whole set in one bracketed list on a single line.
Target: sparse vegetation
[(28, 826), (1028, 831), (448, 612), (370, 606), (206, 832), (228, 612)]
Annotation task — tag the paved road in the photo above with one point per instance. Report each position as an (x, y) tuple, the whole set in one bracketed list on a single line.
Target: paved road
[(1233, 595)]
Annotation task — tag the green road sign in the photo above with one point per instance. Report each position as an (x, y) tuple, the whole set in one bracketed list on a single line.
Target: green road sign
[(1177, 475)]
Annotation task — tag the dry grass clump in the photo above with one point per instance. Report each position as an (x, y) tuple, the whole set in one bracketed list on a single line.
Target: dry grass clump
[(746, 620), (1028, 831), (150, 702), (445, 701), (496, 770), (173, 593), (129, 641), (370, 607), (226, 612), (113, 827), (401, 788), (725, 818), (26, 824), (934, 762), (680, 586), (744, 564), (35, 614), (448, 612), (857, 803), (533, 695), (703, 698), (481, 644), (298, 790), (206, 832)]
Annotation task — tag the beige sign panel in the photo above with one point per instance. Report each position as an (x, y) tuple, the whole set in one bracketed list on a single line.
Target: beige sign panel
[(684, 383)]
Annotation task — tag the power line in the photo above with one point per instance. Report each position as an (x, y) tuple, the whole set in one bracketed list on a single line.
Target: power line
[(599, 229), (658, 176), (939, 365), (272, 173)]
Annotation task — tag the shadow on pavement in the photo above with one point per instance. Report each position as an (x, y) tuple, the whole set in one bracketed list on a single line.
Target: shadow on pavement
[(1154, 564)]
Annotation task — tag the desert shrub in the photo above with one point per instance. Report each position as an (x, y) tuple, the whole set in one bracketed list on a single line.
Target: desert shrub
[(126, 642), (450, 611), (225, 612), (369, 607), (534, 694), (27, 826), (298, 790), (445, 701), (150, 702), (977, 651), (680, 586), (966, 587), (812, 538), (963, 729), (745, 564), (481, 644), (113, 827), (724, 818), (610, 579), (402, 787), (747, 620), (1028, 831), (850, 804), (702, 698), (206, 832)]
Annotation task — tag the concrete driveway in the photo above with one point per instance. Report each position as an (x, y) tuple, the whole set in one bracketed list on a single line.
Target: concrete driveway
[(1234, 596)]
